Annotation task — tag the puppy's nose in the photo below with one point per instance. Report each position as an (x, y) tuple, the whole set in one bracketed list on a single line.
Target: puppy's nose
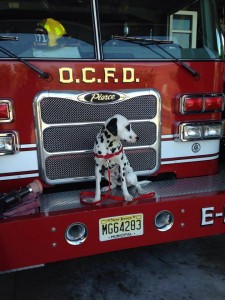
[(137, 138)]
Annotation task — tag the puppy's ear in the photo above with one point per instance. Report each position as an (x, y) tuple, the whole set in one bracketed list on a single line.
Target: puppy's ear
[(112, 126)]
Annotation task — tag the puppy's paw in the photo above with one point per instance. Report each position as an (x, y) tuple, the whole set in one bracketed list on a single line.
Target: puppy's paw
[(128, 198)]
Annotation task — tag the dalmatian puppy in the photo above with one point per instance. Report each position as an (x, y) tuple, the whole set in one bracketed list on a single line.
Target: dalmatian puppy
[(111, 158)]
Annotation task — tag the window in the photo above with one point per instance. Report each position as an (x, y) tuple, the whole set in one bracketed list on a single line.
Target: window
[(47, 29), (183, 28), (159, 30)]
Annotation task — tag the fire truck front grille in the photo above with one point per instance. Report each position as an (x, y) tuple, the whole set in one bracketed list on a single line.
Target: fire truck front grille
[(67, 128)]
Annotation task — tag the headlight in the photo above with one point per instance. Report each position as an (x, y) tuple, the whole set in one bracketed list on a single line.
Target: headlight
[(213, 131), (200, 131), (192, 132), (9, 142)]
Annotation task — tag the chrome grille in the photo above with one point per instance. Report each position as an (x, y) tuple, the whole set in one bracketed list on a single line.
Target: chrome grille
[(67, 127)]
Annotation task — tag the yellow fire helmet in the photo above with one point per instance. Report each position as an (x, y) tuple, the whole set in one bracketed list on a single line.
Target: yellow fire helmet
[(53, 29)]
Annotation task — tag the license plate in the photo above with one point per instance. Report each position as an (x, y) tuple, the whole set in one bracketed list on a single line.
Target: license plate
[(120, 227)]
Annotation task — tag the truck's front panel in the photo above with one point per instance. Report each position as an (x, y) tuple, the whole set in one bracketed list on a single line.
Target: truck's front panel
[(67, 67)]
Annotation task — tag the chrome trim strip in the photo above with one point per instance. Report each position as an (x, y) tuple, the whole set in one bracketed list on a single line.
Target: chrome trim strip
[(27, 146)]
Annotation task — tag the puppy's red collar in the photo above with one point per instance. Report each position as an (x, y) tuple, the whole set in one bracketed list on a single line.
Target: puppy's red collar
[(108, 156)]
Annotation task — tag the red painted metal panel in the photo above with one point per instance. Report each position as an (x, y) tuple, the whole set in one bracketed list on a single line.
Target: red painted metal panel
[(37, 240)]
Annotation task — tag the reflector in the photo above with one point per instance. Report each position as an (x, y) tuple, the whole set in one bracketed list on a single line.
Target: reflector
[(193, 104), (6, 114), (201, 103), (4, 111), (213, 104)]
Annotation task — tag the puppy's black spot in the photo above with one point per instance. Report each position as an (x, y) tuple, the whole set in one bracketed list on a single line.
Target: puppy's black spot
[(107, 134), (130, 137), (112, 126), (99, 152), (122, 179), (102, 139), (111, 144), (128, 127), (97, 165), (96, 142), (123, 174), (103, 170), (119, 179), (113, 150), (125, 164), (122, 157)]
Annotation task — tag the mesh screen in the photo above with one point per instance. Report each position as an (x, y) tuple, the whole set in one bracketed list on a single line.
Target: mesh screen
[(83, 164), (60, 110), (77, 138)]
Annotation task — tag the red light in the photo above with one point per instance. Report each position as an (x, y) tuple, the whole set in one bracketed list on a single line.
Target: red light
[(214, 103), (4, 111), (193, 104)]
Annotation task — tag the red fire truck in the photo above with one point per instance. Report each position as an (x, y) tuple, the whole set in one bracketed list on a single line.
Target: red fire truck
[(65, 68)]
